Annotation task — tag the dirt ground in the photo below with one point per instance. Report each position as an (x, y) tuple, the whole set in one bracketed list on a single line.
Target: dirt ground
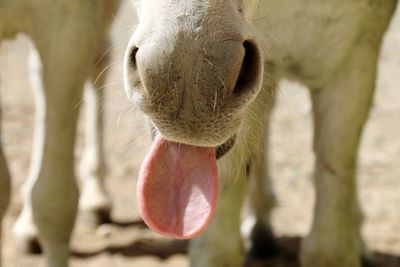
[(127, 139)]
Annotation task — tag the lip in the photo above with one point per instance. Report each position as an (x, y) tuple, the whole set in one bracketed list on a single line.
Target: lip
[(225, 147), (221, 150)]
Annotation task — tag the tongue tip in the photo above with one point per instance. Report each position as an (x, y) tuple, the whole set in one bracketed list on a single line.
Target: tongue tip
[(178, 235), (161, 229), (151, 193)]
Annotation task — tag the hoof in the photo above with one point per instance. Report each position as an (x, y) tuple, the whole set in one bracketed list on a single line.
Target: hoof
[(367, 261), (96, 217), (263, 244), (28, 245)]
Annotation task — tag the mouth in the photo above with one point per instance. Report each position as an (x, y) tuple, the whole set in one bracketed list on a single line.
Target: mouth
[(221, 150), (224, 148)]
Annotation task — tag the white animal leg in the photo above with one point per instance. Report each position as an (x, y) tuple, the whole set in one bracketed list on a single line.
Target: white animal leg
[(25, 230), (257, 226), (340, 111), (93, 198), (5, 187), (94, 202), (66, 60)]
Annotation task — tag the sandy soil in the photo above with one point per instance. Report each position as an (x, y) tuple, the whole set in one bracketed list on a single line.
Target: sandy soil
[(127, 140)]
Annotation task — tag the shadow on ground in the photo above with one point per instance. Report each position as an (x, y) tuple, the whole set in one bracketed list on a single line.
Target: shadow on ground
[(287, 255)]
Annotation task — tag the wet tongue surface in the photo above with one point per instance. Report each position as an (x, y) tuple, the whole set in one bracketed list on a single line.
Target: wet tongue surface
[(177, 188)]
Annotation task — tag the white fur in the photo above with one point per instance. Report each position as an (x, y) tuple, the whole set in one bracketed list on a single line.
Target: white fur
[(330, 46), (71, 40)]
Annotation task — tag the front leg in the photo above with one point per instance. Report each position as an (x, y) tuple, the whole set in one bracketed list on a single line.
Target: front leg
[(94, 201), (340, 110), (66, 61)]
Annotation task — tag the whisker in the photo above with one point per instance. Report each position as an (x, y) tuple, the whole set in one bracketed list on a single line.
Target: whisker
[(224, 86), (215, 101), (102, 72), (103, 55), (127, 108)]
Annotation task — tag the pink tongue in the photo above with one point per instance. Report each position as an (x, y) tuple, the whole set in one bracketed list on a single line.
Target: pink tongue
[(177, 188)]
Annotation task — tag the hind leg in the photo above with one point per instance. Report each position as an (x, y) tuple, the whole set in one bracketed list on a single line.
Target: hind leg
[(256, 226), (5, 187), (25, 230), (94, 201)]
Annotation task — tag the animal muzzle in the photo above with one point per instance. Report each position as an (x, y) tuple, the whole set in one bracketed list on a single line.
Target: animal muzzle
[(194, 92)]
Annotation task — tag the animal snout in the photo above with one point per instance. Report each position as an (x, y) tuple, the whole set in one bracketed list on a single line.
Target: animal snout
[(194, 85), (194, 91)]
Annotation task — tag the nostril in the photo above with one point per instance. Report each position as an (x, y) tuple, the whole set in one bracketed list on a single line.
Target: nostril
[(132, 57), (249, 73)]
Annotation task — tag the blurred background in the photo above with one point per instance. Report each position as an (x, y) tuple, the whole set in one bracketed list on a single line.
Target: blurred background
[(127, 139)]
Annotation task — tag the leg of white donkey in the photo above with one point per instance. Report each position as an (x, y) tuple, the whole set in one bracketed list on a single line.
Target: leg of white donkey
[(25, 230), (340, 109), (221, 243), (94, 201), (256, 227), (5, 187), (66, 50)]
